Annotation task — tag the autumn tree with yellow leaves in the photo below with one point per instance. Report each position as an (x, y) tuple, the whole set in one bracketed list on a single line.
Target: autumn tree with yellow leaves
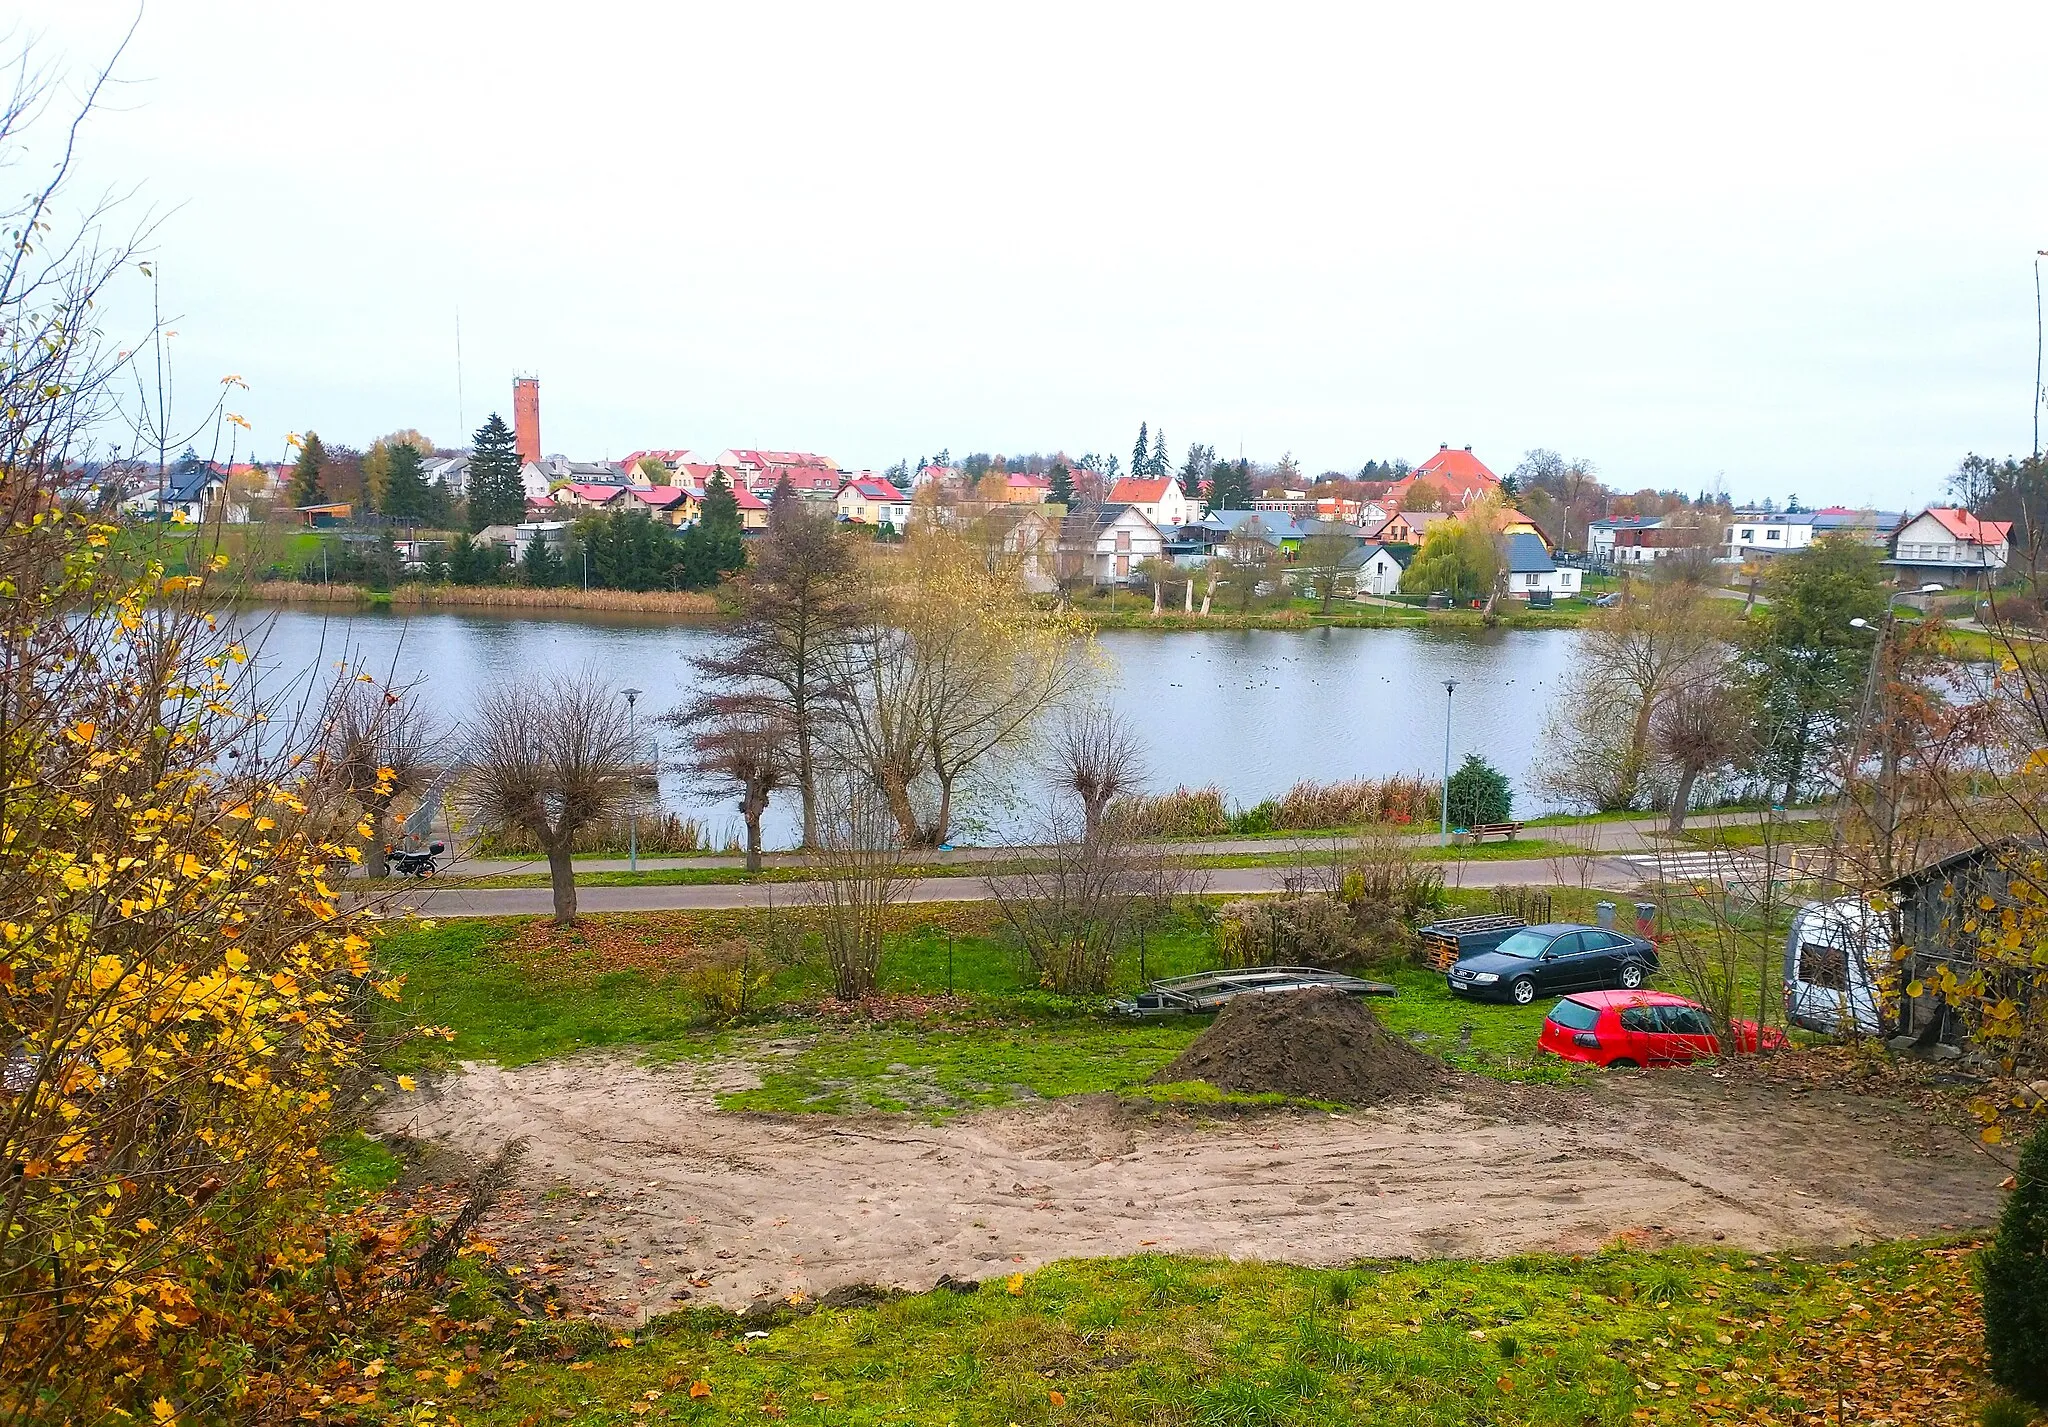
[(181, 994)]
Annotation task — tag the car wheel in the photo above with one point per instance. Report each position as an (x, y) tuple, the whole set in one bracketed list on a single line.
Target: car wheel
[(1631, 976), (1524, 991), (1622, 1062)]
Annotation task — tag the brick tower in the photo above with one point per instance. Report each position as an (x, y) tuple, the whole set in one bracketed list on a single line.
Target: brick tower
[(526, 416)]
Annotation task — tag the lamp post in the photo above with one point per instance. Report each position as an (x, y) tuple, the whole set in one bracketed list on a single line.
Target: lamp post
[(633, 806), (1444, 810)]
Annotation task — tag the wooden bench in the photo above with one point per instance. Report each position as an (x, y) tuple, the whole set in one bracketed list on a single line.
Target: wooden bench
[(1487, 832)]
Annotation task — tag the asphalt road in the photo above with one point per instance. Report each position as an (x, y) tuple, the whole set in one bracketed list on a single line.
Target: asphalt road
[(527, 901)]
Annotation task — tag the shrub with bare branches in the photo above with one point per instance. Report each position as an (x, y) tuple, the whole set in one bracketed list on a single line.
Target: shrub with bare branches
[(381, 743), (859, 876), (550, 757)]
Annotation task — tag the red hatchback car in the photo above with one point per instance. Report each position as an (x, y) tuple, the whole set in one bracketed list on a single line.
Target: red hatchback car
[(1638, 1028)]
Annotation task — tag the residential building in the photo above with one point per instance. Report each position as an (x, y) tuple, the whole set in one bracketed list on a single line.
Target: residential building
[(753, 511), (1023, 488), (1161, 500), (1373, 569), (1107, 543), (541, 476), (1601, 535), (1751, 533), (1513, 522), (1951, 546), (193, 490), (1459, 476), (1531, 569), (671, 505), (586, 496), (873, 502), (1407, 527), (515, 538), (1284, 532), (451, 473)]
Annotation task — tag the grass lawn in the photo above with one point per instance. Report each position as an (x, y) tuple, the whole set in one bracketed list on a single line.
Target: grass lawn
[(1607, 1339), (998, 1037)]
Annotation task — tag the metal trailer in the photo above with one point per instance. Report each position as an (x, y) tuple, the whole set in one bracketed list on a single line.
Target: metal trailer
[(1207, 990)]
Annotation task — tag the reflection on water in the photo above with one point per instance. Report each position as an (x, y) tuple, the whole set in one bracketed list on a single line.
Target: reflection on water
[(1250, 711)]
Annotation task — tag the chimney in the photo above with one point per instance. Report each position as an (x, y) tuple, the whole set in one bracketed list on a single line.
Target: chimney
[(526, 416), (1468, 448), (1443, 445)]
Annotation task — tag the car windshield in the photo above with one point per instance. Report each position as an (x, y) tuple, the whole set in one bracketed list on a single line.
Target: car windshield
[(1575, 1015), (1527, 945)]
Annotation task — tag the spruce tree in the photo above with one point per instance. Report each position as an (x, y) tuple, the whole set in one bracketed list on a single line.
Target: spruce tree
[(406, 494), (306, 487), (1141, 454), (1161, 464), (2014, 1276), (540, 565), (714, 546), (1062, 482), (1479, 793), (495, 494)]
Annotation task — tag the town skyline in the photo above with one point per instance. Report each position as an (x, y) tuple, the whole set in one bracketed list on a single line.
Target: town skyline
[(1753, 278)]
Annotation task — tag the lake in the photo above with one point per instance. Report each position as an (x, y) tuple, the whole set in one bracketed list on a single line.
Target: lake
[(1251, 711)]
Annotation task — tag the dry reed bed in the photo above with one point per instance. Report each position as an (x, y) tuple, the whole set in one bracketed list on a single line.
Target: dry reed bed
[(693, 603)]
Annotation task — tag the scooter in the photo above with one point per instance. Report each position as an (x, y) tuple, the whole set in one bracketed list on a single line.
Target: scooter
[(418, 862)]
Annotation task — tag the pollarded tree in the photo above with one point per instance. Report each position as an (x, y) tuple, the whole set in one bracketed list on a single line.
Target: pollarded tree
[(550, 757), (1700, 725), (1098, 757), (740, 746), (1322, 560), (379, 744)]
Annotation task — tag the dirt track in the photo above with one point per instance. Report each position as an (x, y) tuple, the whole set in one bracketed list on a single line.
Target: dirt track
[(641, 1195)]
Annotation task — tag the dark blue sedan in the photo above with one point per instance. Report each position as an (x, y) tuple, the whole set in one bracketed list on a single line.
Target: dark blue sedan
[(1552, 959)]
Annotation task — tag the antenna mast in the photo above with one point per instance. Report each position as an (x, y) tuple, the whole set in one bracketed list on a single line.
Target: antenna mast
[(461, 417)]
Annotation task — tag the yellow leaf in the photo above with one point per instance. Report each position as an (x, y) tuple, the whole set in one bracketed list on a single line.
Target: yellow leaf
[(453, 1378), (1917, 989), (406, 1082), (162, 1411), (1015, 1284), (700, 1388), (1991, 1135), (1057, 1398)]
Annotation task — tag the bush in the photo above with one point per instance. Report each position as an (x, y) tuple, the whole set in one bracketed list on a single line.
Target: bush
[(1252, 821), (730, 981), (2014, 1277), (1479, 793), (1314, 930)]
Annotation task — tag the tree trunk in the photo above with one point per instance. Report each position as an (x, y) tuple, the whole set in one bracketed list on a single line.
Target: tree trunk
[(1681, 798), (1158, 593), (1190, 603), (1207, 595), (374, 860), (1631, 779), (942, 824), (807, 783), (753, 814), (562, 874), (896, 791)]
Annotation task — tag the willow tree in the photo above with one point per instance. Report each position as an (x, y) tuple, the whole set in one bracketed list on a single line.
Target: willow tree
[(951, 671)]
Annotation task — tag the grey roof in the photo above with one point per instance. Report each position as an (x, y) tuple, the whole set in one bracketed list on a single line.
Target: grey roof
[(1280, 525), (1628, 522), (1526, 556), (1359, 556)]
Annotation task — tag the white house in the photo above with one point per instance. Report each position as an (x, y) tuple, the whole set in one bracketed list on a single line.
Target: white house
[(1107, 543), (874, 502), (1161, 501), (1530, 569), (194, 491), (1951, 546), (1373, 570), (451, 473)]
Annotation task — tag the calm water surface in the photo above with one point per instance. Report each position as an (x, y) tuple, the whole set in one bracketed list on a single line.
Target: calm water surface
[(1250, 711)]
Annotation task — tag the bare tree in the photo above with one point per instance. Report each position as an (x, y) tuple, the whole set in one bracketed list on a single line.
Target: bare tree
[(550, 757), (381, 743), (740, 746), (1076, 899), (859, 877), (1700, 725), (1098, 757), (1322, 560), (799, 600)]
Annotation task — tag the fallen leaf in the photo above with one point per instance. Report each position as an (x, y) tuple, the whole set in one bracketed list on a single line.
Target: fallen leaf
[(700, 1388), (1015, 1284), (1057, 1398)]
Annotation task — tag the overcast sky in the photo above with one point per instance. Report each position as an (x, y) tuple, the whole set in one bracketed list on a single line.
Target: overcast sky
[(1784, 247)]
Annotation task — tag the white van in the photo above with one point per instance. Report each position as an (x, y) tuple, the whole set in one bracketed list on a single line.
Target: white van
[(1835, 954)]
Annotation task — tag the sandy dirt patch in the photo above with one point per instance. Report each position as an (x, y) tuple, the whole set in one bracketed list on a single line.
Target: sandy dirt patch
[(641, 1195)]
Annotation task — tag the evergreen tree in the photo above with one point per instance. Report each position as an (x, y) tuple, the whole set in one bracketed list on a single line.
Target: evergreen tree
[(1141, 454), (1230, 485), (406, 493), (1161, 463), (306, 487), (495, 495), (714, 546), (540, 565), (435, 571), (2013, 1273), (1479, 793), (1062, 482)]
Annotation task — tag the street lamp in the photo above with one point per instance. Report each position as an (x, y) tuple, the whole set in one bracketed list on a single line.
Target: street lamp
[(1444, 811), (1870, 678), (633, 805)]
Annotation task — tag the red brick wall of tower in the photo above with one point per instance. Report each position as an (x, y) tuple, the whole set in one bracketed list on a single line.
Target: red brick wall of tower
[(526, 416)]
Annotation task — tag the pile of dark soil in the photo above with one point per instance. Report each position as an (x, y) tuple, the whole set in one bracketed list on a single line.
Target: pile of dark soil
[(1312, 1045)]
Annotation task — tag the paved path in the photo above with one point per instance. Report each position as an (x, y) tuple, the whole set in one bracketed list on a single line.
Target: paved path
[(528, 901), (1631, 835)]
